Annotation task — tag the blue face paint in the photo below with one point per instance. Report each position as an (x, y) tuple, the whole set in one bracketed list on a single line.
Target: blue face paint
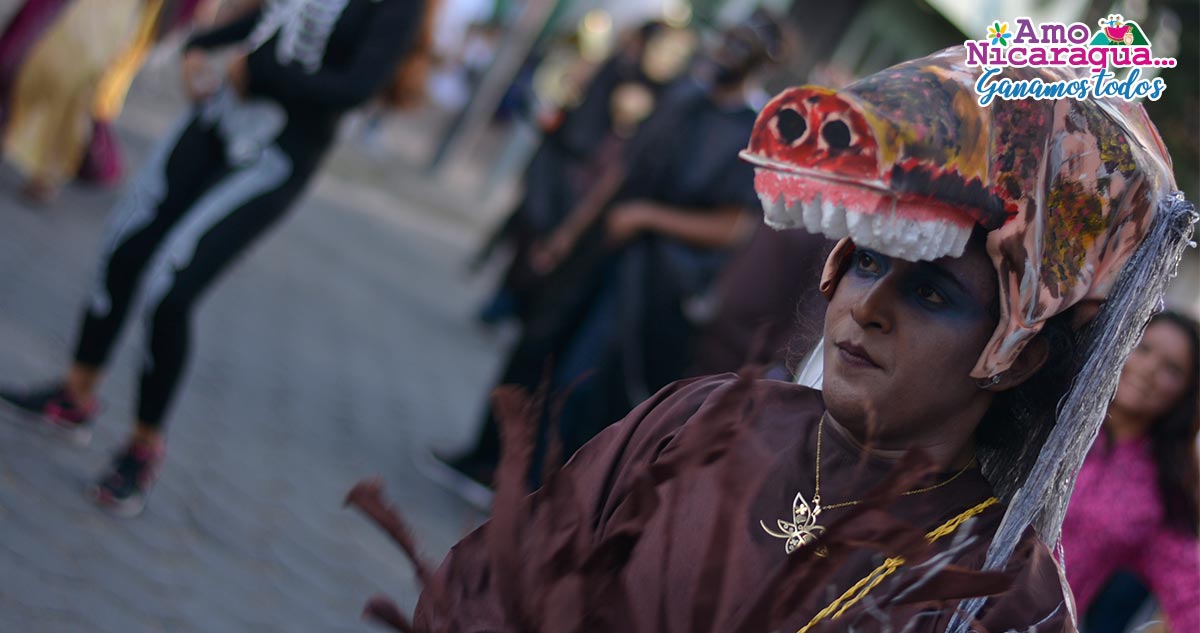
[(926, 286)]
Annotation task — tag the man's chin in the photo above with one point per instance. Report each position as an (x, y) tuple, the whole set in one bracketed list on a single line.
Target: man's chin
[(851, 405)]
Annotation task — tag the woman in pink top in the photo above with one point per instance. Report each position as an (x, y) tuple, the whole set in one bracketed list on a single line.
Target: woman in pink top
[(1135, 503)]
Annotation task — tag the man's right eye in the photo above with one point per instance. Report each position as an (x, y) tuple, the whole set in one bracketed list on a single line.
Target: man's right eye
[(866, 262)]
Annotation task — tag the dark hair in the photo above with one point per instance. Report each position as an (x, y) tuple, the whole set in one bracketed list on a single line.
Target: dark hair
[(649, 29), (1020, 419), (1173, 439), (1011, 434), (770, 30)]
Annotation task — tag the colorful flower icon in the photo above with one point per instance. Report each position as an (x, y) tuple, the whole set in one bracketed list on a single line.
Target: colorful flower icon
[(998, 32)]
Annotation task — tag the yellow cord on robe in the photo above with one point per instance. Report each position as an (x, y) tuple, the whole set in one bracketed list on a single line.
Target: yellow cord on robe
[(114, 84), (889, 566)]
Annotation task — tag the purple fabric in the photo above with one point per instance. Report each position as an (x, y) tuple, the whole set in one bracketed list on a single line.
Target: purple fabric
[(1115, 521), (185, 13), (102, 164)]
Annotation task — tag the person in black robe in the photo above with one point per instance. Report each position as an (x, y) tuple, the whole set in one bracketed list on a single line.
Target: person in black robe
[(611, 324), (572, 153)]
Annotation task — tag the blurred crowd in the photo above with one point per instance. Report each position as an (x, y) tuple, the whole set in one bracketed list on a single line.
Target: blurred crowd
[(635, 255)]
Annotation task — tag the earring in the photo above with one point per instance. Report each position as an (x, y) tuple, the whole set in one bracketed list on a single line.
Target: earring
[(988, 382)]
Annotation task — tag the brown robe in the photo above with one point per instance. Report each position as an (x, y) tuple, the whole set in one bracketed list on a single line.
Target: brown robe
[(693, 556)]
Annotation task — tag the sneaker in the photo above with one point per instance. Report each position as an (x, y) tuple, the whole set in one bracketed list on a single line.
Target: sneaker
[(467, 479), (122, 490), (55, 410)]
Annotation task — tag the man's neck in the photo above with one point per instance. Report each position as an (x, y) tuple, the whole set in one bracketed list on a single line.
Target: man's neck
[(947, 451)]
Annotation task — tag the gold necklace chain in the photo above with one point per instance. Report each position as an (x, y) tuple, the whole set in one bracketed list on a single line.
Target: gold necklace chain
[(845, 504), (803, 528)]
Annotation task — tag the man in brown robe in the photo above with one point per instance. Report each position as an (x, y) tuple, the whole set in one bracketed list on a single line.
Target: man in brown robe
[(748, 505), (703, 561)]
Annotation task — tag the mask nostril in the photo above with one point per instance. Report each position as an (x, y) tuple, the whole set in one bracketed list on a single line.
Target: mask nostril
[(791, 124), (836, 134)]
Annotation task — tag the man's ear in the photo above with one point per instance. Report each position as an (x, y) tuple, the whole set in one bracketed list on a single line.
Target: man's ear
[(1028, 362)]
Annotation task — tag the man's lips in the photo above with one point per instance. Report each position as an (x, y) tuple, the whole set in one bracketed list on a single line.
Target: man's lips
[(855, 355)]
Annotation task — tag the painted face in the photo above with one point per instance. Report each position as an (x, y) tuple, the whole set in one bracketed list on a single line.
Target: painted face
[(1157, 373), (900, 340)]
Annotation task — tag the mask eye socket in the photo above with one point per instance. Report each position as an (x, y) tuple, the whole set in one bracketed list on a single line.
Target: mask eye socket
[(836, 134), (791, 125)]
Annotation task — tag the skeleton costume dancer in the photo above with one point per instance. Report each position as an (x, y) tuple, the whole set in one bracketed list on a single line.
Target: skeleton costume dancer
[(993, 263), (226, 174)]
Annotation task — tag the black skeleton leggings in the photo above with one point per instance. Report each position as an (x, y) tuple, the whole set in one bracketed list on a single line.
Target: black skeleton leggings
[(184, 219)]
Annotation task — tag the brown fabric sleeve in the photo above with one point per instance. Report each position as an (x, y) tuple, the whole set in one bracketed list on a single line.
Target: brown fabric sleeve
[(1031, 596), (598, 477), (1038, 599)]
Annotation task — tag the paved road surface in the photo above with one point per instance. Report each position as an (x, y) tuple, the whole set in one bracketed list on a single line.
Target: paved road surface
[(337, 346)]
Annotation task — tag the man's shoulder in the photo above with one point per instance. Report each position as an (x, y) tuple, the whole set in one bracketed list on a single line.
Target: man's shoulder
[(762, 402)]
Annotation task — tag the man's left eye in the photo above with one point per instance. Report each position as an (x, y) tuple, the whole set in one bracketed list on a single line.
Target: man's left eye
[(928, 293)]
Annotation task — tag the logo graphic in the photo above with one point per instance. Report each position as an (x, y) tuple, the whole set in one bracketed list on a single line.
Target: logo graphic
[(1115, 31), (997, 32), (1117, 44)]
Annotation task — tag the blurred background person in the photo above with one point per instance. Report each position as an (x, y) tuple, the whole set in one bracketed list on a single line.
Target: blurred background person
[(579, 142), (102, 162), (407, 90), (65, 66), (611, 324), (1135, 503), (225, 175), (69, 45), (755, 317)]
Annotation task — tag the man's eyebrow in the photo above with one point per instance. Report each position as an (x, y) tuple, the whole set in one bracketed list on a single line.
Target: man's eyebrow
[(945, 274)]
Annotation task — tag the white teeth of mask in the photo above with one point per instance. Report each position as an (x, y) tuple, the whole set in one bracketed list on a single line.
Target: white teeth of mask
[(795, 210), (765, 200), (810, 213), (833, 218), (888, 233), (825, 218), (776, 214), (893, 235), (858, 224)]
